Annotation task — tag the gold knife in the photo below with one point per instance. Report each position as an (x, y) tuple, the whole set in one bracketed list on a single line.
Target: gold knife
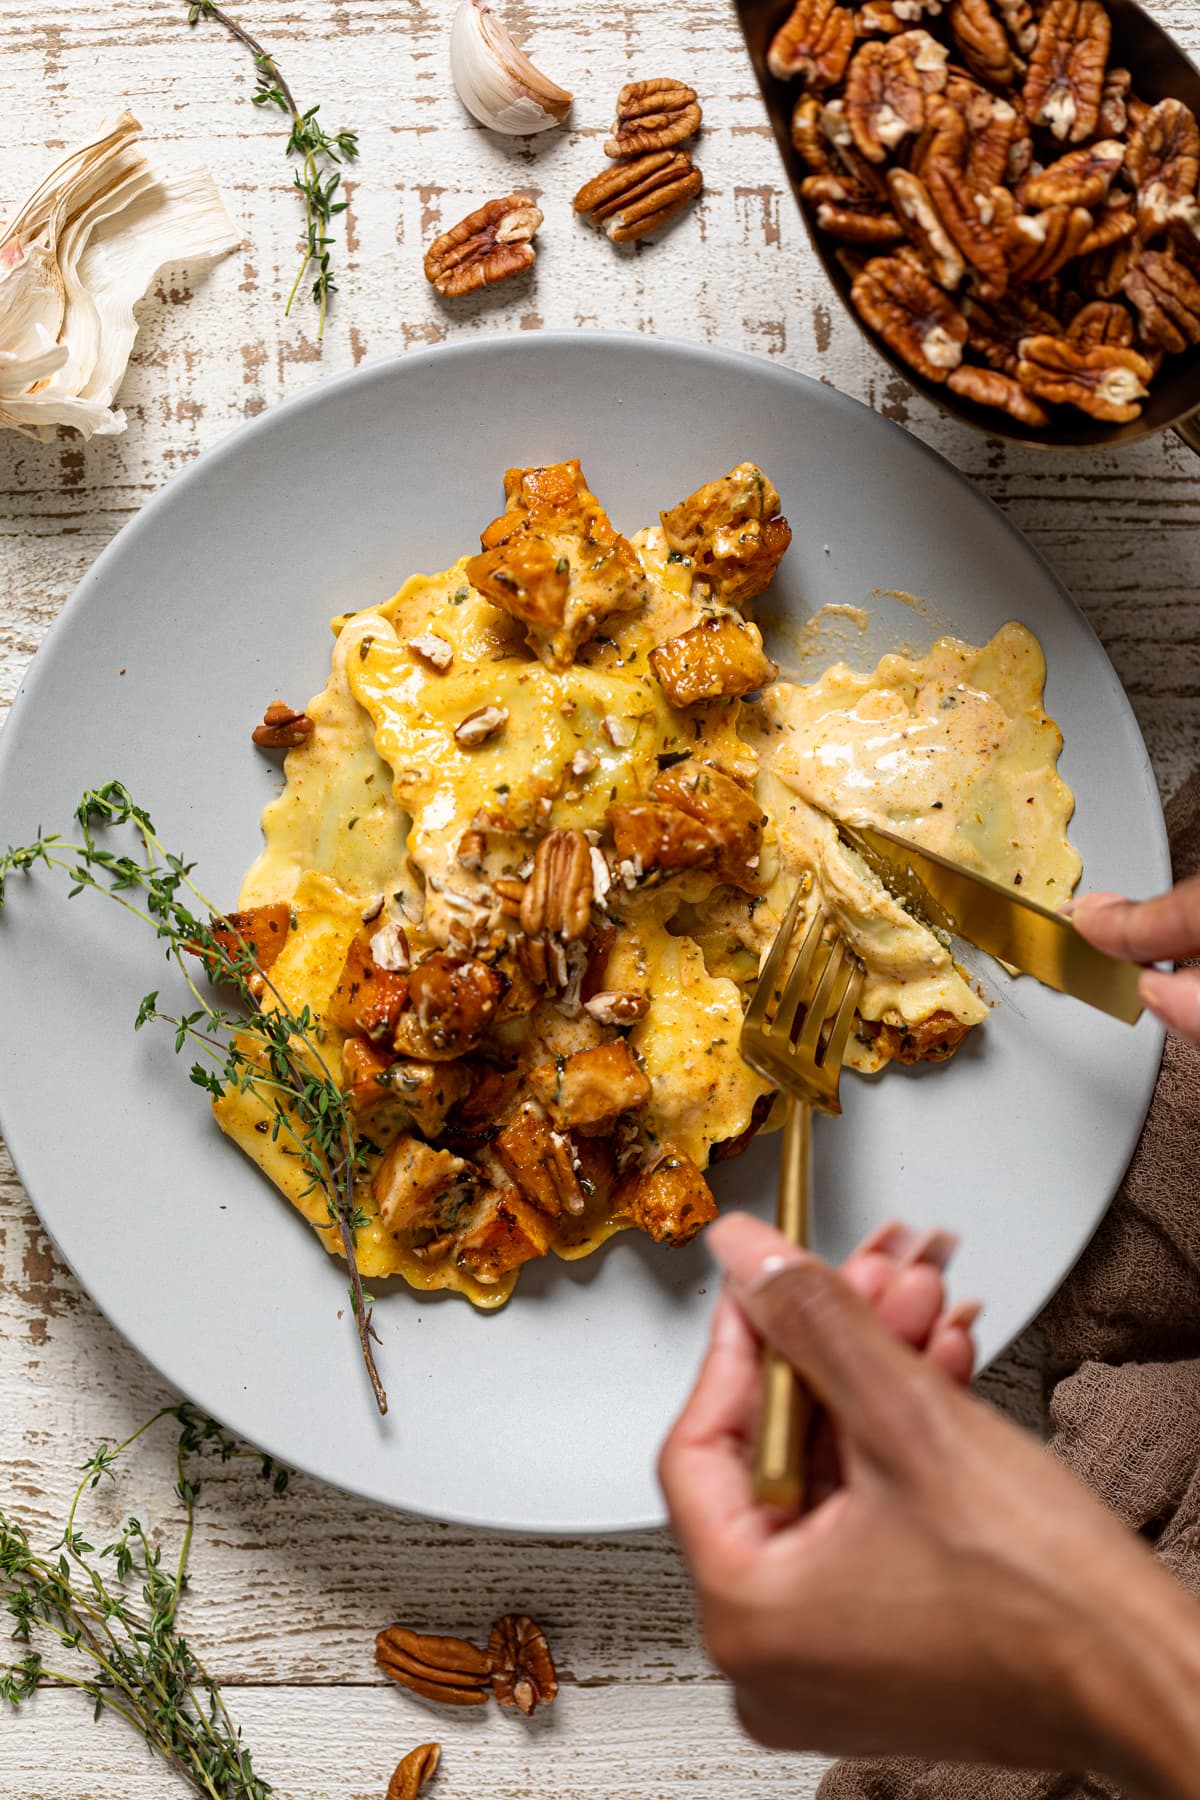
[(998, 920)]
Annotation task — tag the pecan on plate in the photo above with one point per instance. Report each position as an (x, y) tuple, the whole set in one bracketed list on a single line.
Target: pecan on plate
[(1167, 297), (639, 197), (994, 37), (911, 314), (558, 895), (814, 42), (413, 1771), (487, 246), (1164, 162), (850, 212), (439, 1668), (1102, 380), (1064, 84), (1102, 322), (988, 387), (480, 725), (653, 115), (924, 226), (886, 89), (522, 1666), (1080, 178), (282, 728), (1040, 244), (617, 1006)]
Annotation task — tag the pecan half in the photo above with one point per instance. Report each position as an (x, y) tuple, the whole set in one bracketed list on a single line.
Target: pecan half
[(487, 246), (850, 212), (1114, 223), (1102, 270), (1102, 322), (413, 1771), (1080, 178), (994, 332), (617, 1006), (1040, 244), (814, 42), (653, 115), (641, 196), (558, 897), (1065, 81), (912, 315), (521, 1664), (809, 138), (976, 222), (448, 1669), (991, 133), (1167, 297), (886, 88), (1164, 163), (988, 387), (921, 220), (1114, 114), (879, 18), (1102, 380), (282, 728), (993, 37)]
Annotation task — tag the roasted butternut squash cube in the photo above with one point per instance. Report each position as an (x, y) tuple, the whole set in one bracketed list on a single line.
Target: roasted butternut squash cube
[(732, 531), (507, 1232), (260, 931), (716, 660), (541, 1161), (421, 1192), (733, 816), (934, 1039), (672, 1201), (454, 1001), (593, 1087), (653, 836), (367, 1000), (525, 578)]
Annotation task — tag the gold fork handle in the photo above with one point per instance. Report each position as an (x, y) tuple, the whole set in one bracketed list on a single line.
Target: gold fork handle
[(779, 1452)]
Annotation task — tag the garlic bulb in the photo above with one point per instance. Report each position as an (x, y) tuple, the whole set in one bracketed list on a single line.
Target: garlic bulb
[(495, 79), (74, 260)]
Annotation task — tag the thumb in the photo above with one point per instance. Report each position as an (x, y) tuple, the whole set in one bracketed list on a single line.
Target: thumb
[(876, 1388)]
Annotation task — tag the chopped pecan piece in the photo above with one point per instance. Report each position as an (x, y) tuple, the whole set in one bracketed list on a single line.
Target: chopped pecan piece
[(993, 38), (453, 1003), (653, 115), (988, 387), (617, 1006), (886, 89), (507, 1232), (487, 246), (472, 846), (434, 650), (282, 727), (558, 897), (1101, 322), (733, 816), (1164, 164), (850, 212), (413, 1772), (367, 999), (420, 1191), (1041, 244), (480, 725), (814, 43), (592, 1088), (1167, 297), (733, 532), (1065, 81), (912, 315), (672, 1201), (651, 836), (638, 198), (439, 1668), (934, 1039), (541, 1161), (1102, 380), (924, 226), (1080, 178), (716, 660), (522, 1666)]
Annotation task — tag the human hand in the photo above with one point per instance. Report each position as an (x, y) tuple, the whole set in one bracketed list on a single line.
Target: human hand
[(1161, 930), (953, 1593)]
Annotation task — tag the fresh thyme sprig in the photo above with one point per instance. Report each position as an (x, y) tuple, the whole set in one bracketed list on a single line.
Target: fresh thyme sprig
[(268, 1049), (320, 174), (65, 1604)]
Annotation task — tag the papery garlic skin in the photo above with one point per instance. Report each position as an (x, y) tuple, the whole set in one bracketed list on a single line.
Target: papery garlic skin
[(75, 259), (495, 79)]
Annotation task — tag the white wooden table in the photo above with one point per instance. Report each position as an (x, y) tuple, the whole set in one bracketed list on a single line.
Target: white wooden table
[(288, 1593)]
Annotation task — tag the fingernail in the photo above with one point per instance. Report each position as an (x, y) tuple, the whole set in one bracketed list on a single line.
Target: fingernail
[(934, 1247), (743, 1258), (962, 1314), (1088, 903), (894, 1238)]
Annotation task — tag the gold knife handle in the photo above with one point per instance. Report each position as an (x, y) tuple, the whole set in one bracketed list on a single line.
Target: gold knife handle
[(780, 1476)]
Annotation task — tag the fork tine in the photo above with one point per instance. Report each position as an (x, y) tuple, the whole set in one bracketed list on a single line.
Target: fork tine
[(772, 969), (822, 1003), (800, 978), (835, 1049)]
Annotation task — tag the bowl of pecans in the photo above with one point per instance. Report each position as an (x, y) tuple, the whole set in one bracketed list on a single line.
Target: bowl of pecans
[(1004, 194)]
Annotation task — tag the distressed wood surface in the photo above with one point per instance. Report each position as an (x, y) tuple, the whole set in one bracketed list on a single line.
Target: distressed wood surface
[(288, 1592)]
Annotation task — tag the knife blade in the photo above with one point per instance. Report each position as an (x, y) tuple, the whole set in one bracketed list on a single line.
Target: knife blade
[(999, 921)]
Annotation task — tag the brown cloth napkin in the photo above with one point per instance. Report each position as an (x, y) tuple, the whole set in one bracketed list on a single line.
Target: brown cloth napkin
[(1123, 1339)]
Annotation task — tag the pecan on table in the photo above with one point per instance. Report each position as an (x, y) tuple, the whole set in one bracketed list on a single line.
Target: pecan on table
[(522, 1666), (653, 115), (1080, 178), (448, 1669), (1164, 162), (636, 198), (487, 246), (1040, 244), (994, 37), (1167, 297), (1103, 380), (1102, 322), (924, 226), (988, 387), (887, 85), (413, 1771), (814, 43), (558, 896), (912, 315), (1064, 84), (850, 212), (282, 728)]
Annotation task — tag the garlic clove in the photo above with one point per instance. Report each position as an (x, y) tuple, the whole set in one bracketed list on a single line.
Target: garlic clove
[(495, 79)]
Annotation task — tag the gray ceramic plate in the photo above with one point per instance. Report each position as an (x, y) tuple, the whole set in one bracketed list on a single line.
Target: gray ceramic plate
[(547, 1416)]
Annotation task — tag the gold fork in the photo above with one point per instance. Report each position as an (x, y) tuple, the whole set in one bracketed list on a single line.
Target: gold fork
[(795, 1033)]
